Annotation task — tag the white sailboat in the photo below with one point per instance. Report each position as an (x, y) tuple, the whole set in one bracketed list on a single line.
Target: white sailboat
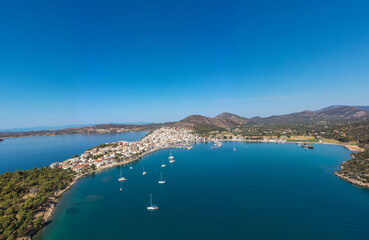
[(171, 156), (163, 164), (152, 207), (121, 178), (161, 181), (143, 170)]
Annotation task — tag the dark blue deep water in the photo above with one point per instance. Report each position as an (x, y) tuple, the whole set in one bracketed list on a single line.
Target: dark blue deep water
[(259, 191), (29, 152)]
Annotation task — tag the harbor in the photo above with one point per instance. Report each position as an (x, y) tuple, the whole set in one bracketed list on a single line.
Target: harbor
[(206, 181)]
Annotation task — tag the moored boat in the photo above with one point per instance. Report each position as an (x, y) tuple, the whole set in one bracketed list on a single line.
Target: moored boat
[(161, 181), (170, 156), (122, 179), (152, 207), (163, 164)]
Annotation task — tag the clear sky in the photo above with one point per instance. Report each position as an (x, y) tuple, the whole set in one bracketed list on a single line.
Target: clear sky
[(73, 61)]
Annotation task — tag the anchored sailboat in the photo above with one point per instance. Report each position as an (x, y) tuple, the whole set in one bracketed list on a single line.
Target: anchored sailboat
[(161, 181), (171, 156), (121, 178), (152, 207), (163, 164)]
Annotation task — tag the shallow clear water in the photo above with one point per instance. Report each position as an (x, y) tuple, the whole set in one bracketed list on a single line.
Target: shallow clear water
[(29, 152), (262, 191)]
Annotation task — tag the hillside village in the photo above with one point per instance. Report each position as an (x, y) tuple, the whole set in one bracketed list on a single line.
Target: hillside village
[(109, 154)]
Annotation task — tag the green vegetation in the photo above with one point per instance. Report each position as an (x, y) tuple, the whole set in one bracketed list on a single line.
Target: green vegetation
[(205, 129), (358, 167), (23, 196)]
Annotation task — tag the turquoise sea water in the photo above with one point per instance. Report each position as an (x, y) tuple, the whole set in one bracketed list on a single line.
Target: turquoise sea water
[(29, 152), (259, 191)]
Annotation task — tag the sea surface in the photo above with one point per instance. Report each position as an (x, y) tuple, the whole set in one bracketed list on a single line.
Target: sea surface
[(29, 152), (260, 191)]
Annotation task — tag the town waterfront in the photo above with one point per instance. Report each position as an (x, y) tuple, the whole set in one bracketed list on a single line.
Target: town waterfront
[(258, 191), (29, 152)]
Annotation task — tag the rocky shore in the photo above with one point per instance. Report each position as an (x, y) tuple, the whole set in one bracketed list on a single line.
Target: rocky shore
[(352, 181)]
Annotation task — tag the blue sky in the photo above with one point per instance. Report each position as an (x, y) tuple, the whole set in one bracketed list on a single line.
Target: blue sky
[(73, 62)]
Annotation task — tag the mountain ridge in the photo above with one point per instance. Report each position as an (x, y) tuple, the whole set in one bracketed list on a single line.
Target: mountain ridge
[(335, 113)]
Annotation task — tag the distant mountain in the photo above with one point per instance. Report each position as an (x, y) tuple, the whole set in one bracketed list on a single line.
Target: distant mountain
[(53, 128), (329, 108), (230, 119), (365, 108), (47, 128), (336, 113), (332, 113), (197, 120), (222, 120)]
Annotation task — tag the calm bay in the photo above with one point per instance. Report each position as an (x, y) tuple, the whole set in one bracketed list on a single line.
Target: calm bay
[(259, 191)]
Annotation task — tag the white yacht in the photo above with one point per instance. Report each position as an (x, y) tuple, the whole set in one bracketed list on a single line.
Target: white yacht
[(163, 164), (171, 156), (152, 207), (161, 181), (143, 171), (122, 179)]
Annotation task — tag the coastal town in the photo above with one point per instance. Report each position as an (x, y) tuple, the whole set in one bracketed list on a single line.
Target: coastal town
[(115, 153), (111, 154)]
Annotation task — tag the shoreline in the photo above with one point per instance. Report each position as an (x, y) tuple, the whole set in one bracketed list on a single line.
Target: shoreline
[(350, 147), (54, 200), (63, 134), (51, 206), (352, 181)]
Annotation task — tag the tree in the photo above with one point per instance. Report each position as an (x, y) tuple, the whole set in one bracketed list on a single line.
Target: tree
[(93, 167)]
